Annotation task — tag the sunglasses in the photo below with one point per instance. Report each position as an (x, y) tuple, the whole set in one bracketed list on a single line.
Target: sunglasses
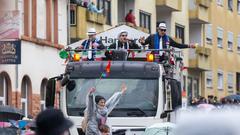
[(163, 30), (123, 35)]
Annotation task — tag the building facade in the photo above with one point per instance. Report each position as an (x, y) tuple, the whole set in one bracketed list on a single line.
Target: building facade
[(42, 32), (223, 37)]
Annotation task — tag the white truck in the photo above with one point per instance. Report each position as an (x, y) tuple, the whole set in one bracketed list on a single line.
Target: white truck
[(149, 99)]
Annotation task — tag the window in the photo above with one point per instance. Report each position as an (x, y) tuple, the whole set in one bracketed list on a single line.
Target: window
[(238, 6), (41, 17), (106, 5), (25, 95), (72, 15), (220, 2), (189, 92), (238, 83), (220, 37), (196, 88), (43, 93), (230, 5), (230, 82), (179, 32), (184, 82), (144, 91), (209, 80), (208, 30), (238, 43), (3, 90), (220, 80), (230, 41), (145, 20)]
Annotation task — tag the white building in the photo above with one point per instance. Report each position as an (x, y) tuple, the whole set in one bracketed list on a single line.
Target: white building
[(43, 32)]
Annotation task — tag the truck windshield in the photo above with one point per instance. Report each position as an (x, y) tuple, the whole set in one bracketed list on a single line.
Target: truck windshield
[(140, 99)]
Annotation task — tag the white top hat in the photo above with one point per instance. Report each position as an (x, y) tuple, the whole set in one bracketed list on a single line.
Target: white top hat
[(91, 31), (162, 26), (121, 32)]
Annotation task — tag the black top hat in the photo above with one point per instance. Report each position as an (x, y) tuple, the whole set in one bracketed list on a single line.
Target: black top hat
[(52, 122)]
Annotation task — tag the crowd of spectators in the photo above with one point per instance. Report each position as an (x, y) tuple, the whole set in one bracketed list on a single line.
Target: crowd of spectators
[(214, 101)]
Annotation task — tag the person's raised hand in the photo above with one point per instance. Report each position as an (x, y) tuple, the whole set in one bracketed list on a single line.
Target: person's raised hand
[(95, 45), (194, 45), (142, 40), (123, 88), (92, 90)]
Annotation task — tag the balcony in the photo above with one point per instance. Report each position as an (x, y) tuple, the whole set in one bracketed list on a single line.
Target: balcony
[(83, 20), (96, 17), (135, 27), (199, 11), (169, 5), (200, 59), (204, 3)]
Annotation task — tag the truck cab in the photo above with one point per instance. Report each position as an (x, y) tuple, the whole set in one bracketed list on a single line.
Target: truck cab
[(149, 99)]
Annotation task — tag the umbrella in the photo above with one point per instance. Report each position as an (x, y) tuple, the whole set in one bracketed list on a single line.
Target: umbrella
[(206, 107), (10, 113), (165, 128), (235, 97)]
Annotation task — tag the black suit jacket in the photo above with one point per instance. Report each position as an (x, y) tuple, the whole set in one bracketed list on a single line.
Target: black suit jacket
[(132, 45)]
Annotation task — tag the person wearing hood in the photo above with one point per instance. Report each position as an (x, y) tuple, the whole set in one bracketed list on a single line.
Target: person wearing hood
[(98, 110)]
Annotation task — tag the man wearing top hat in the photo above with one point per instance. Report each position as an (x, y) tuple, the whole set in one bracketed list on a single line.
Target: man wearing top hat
[(123, 43), (92, 43)]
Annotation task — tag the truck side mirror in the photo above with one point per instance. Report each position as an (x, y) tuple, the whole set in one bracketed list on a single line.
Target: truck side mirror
[(165, 113), (71, 85), (50, 93)]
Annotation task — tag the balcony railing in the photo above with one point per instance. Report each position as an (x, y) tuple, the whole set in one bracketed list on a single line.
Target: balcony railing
[(199, 11), (201, 60), (136, 27), (204, 3), (96, 17)]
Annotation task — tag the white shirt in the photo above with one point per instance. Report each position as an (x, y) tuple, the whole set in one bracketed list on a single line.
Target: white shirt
[(90, 51), (160, 46)]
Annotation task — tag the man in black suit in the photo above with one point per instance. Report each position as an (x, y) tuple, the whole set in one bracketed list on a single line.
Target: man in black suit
[(123, 43)]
